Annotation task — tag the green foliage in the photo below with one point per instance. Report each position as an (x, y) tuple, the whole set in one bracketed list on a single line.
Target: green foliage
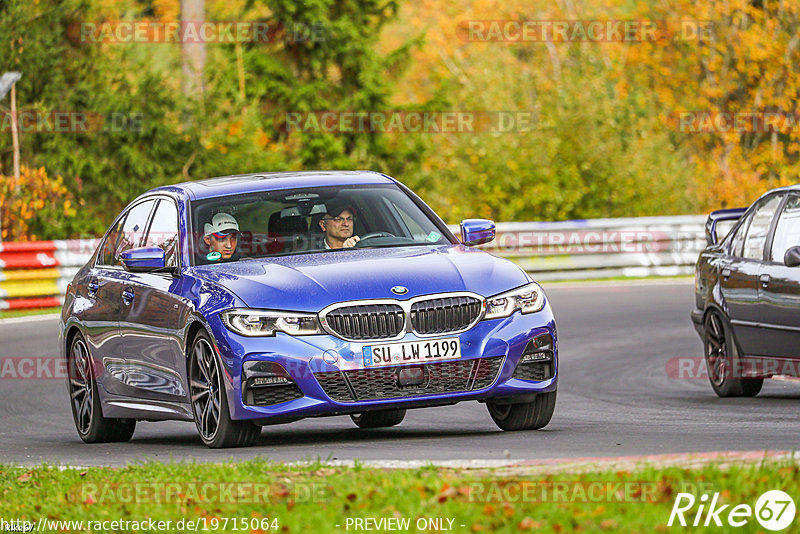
[(598, 145), (152, 135)]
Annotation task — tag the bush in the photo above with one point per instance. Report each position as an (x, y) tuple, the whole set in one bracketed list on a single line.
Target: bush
[(36, 205)]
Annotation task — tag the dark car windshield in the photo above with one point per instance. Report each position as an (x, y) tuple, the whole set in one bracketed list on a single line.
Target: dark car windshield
[(287, 222)]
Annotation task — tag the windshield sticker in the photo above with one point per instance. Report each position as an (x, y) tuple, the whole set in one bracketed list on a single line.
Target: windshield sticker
[(433, 237), (213, 256)]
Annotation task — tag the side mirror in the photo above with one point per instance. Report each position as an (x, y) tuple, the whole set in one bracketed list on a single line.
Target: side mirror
[(477, 231), (143, 259), (792, 257)]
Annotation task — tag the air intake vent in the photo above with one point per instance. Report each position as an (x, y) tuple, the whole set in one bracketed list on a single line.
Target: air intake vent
[(385, 383)]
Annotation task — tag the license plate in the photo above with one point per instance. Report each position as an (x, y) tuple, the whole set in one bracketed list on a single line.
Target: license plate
[(411, 352)]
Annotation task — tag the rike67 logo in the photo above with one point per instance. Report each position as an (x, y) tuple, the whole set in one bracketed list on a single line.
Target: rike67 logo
[(774, 510)]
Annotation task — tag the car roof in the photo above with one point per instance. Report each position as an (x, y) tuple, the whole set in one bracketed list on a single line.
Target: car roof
[(795, 188), (269, 181)]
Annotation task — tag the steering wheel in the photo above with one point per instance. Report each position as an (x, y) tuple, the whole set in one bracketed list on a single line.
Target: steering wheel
[(376, 234)]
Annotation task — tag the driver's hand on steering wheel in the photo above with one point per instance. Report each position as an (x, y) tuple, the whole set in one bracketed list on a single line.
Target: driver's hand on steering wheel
[(351, 241)]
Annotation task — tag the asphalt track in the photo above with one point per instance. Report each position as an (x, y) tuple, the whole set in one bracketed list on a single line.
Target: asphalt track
[(616, 398)]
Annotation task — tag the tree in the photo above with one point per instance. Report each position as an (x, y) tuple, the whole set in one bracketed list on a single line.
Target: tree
[(193, 53)]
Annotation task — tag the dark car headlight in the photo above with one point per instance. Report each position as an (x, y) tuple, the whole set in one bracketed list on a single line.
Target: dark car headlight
[(266, 322), (527, 299)]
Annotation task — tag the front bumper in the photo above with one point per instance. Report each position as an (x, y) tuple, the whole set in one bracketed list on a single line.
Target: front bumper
[(308, 360)]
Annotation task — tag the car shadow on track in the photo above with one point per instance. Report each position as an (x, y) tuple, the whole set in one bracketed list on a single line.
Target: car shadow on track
[(294, 437)]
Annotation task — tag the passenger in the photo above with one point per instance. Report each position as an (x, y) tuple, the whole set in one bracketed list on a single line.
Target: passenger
[(337, 225), (222, 236)]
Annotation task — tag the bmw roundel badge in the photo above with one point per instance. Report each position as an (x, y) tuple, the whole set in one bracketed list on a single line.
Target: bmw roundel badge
[(399, 290)]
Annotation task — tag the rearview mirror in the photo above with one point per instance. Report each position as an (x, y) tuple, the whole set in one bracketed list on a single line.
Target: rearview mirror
[(792, 257), (143, 259), (477, 231)]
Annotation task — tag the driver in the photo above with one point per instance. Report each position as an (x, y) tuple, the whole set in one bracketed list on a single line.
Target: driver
[(222, 236), (337, 224)]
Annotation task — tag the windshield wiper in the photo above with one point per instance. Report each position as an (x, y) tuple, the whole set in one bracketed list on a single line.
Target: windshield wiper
[(394, 245)]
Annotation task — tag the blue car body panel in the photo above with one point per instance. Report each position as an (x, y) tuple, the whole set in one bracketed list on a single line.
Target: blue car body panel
[(195, 296)]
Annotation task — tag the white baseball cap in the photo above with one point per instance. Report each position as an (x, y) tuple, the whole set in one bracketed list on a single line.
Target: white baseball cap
[(221, 223)]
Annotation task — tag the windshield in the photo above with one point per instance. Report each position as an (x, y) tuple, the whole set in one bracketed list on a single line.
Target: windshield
[(308, 220)]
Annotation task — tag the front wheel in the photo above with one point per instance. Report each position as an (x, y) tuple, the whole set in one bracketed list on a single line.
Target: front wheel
[(92, 427), (379, 419), (722, 360), (525, 415), (210, 402)]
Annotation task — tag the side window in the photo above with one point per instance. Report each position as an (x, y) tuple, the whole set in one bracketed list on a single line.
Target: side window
[(759, 227), (737, 241), (164, 232), (133, 228), (787, 231), (110, 244)]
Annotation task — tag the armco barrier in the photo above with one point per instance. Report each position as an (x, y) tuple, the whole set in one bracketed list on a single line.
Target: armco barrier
[(35, 274), (602, 248)]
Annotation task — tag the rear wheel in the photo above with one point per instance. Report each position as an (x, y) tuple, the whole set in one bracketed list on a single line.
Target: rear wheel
[(722, 360), (92, 427), (526, 415), (379, 419), (210, 402)]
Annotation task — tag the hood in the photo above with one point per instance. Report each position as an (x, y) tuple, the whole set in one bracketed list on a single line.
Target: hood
[(309, 282)]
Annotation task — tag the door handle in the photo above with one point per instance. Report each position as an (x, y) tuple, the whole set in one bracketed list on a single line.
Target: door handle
[(127, 295), (91, 288), (726, 273), (765, 278)]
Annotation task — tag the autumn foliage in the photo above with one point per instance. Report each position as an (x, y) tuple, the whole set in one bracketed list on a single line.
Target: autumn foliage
[(605, 140), (31, 203)]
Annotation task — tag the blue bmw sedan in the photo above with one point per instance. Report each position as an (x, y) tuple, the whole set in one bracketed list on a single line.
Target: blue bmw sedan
[(252, 300)]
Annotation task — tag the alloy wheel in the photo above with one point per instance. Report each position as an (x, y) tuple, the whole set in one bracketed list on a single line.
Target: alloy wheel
[(717, 355), (80, 385), (206, 389)]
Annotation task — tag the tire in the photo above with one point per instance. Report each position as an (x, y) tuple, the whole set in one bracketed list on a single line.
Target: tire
[(87, 413), (210, 401), (526, 415), (722, 356), (378, 419)]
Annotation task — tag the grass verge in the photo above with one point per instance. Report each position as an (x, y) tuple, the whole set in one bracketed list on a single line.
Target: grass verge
[(24, 313), (261, 496)]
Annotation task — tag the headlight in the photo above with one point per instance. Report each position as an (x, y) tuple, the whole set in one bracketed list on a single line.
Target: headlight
[(528, 299), (267, 322)]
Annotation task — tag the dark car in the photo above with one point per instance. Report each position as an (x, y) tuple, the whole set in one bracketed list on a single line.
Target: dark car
[(747, 294), (246, 301)]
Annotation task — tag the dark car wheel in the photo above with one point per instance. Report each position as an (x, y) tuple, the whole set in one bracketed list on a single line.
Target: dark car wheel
[(524, 416), (210, 403), (86, 411), (722, 360), (379, 419)]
